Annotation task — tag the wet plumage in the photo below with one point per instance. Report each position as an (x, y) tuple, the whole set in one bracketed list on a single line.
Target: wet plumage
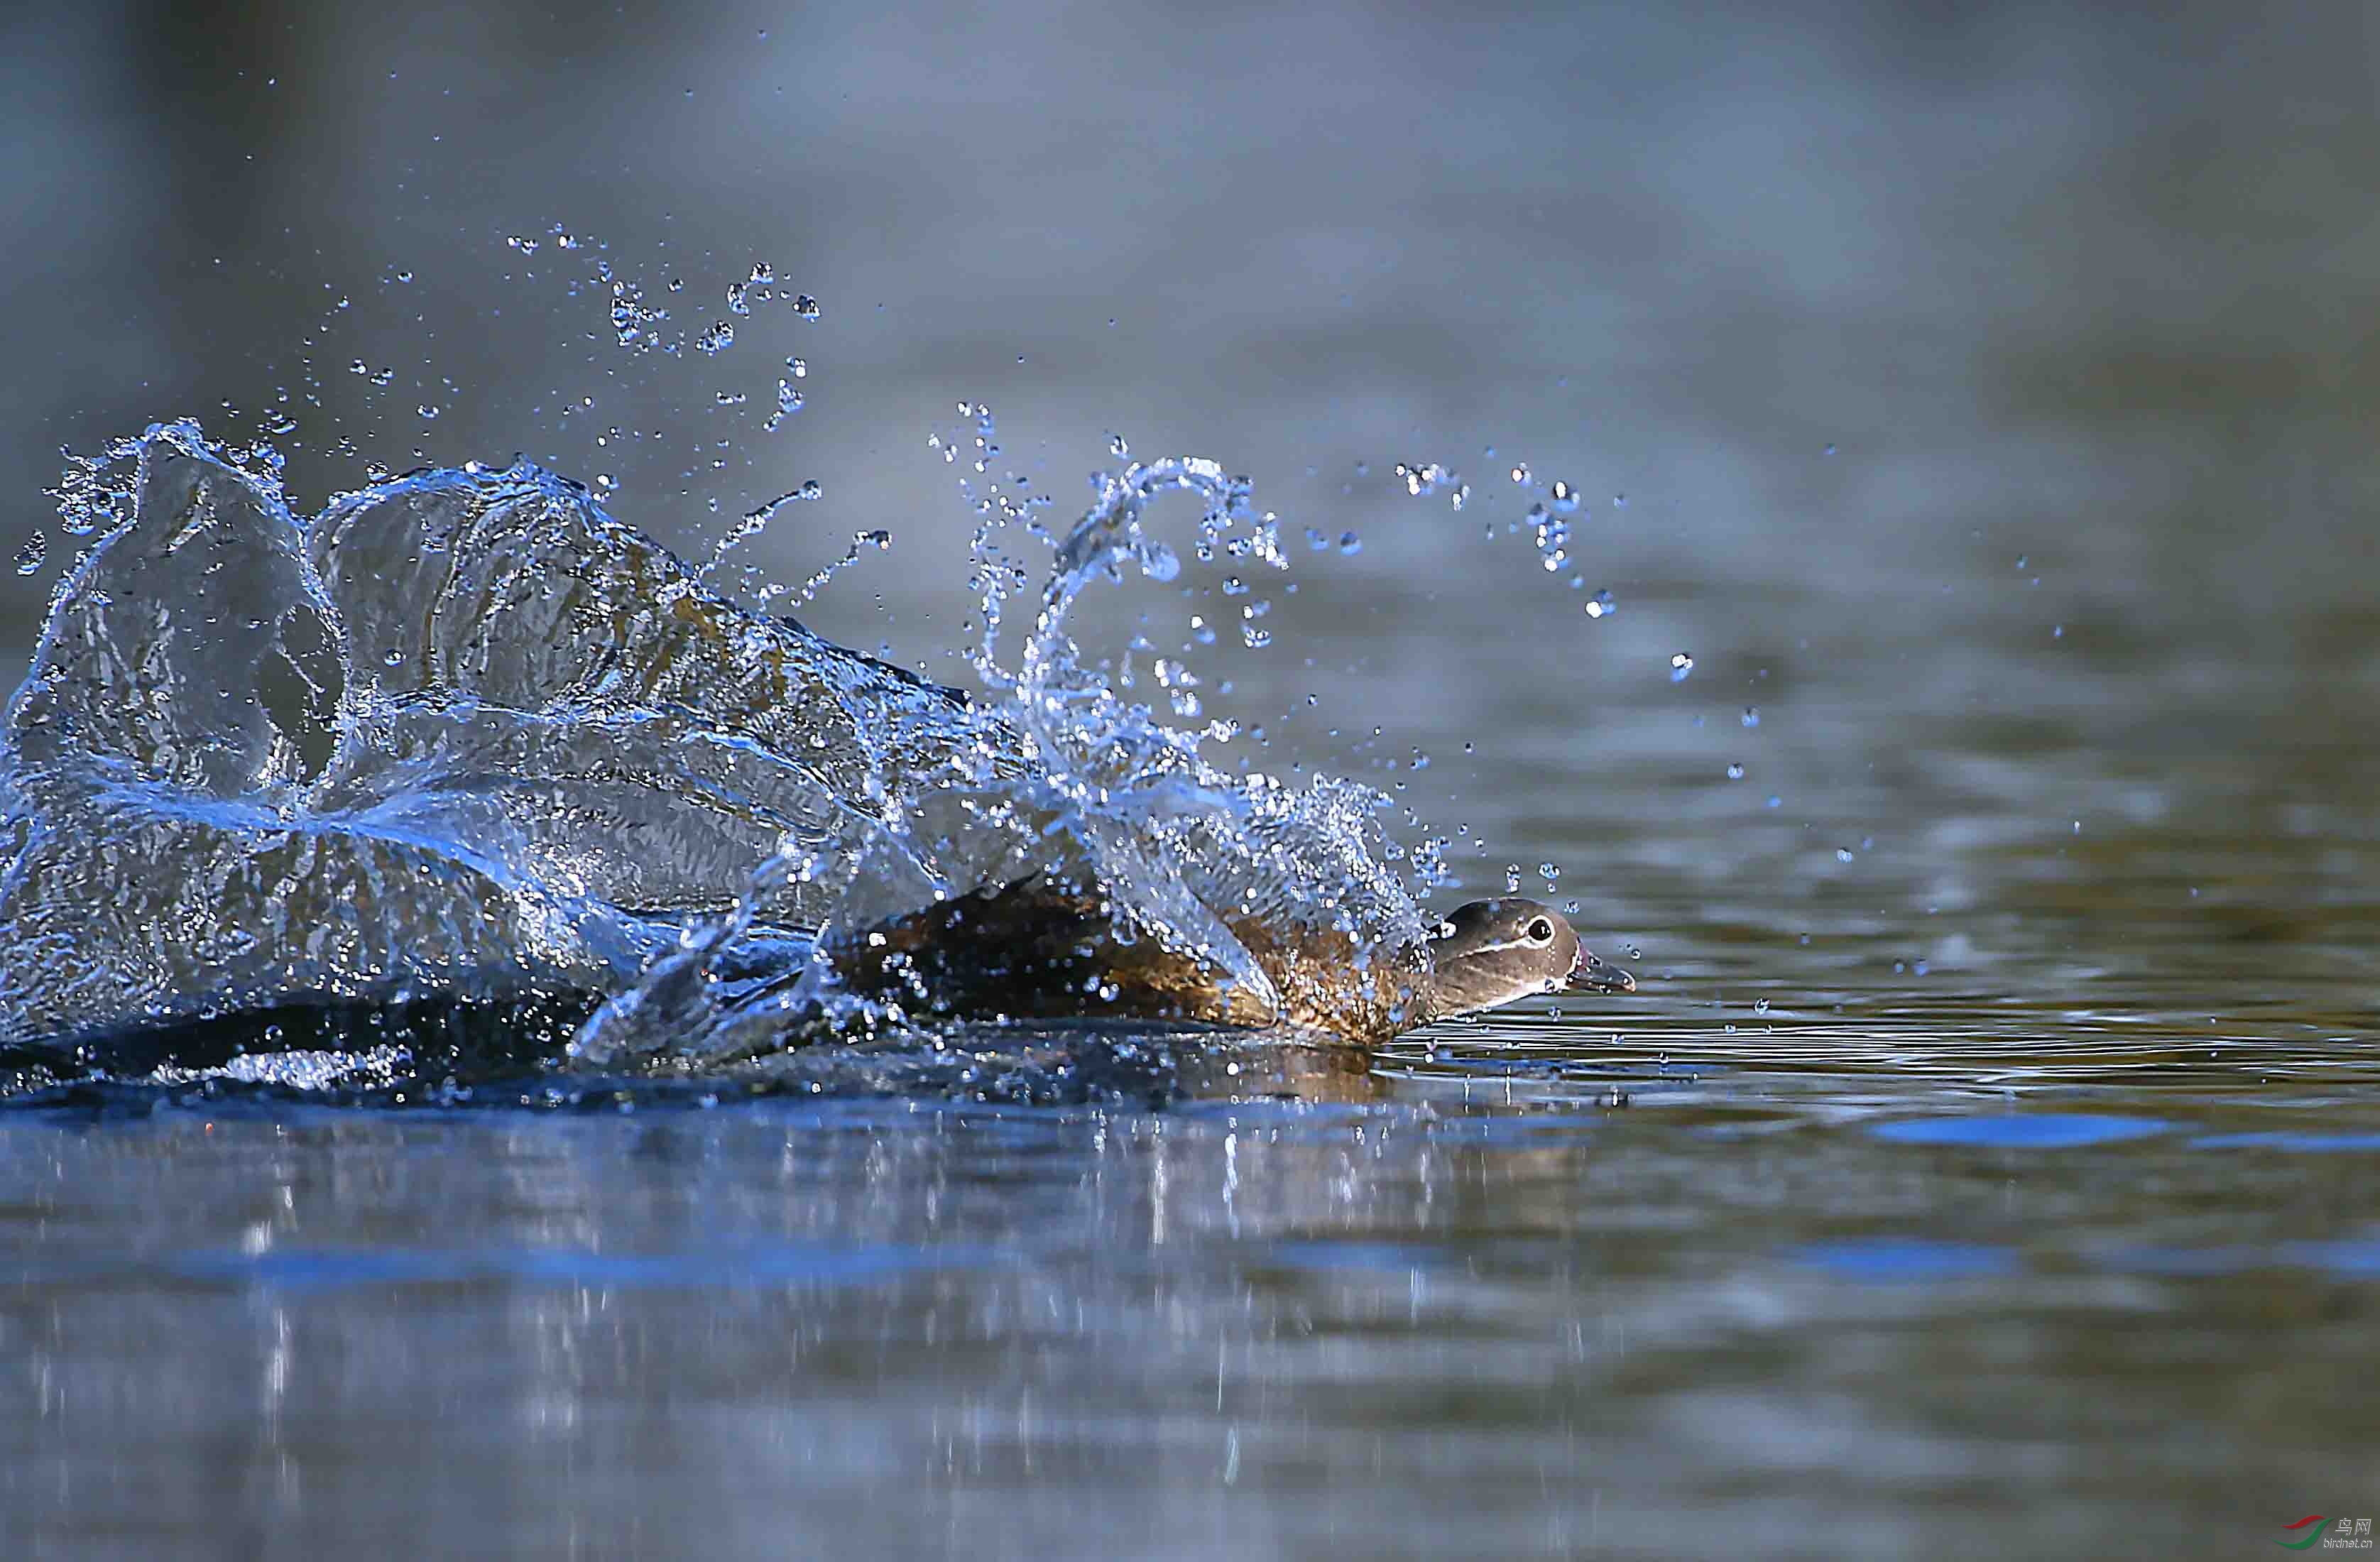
[(1032, 950)]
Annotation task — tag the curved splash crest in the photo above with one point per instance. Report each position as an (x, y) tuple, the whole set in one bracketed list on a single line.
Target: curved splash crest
[(464, 733)]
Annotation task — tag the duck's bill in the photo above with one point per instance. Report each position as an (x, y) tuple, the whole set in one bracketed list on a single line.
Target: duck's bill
[(1592, 975)]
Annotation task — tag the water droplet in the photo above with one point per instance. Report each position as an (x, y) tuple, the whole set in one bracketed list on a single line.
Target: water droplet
[(877, 539), (1350, 544), (1550, 873), (1512, 878), (1234, 586), (1118, 446), (525, 245), (1760, 1006), (800, 368), (1602, 604), (1843, 854), (30, 556), (718, 339), (1752, 715), (1426, 478), (1316, 541), (427, 410), (1521, 473), (394, 658), (805, 307), (1681, 664), (1735, 772)]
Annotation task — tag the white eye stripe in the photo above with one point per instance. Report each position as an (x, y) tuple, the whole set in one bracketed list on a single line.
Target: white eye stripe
[(1505, 944)]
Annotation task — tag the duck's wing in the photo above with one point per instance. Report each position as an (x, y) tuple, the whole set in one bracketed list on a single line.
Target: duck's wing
[(1034, 949)]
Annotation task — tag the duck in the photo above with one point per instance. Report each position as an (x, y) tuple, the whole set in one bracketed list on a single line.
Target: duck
[(1029, 952), (1038, 951)]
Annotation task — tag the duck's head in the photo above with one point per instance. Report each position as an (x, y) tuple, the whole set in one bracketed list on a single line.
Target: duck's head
[(1489, 953)]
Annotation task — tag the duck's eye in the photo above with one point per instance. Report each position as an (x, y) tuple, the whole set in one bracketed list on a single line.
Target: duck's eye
[(1540, 931)]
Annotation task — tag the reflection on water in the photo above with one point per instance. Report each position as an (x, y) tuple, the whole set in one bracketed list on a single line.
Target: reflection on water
[(1522, 1291)]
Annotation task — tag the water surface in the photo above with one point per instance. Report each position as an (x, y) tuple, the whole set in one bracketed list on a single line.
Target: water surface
[(1860, 1288), (1966, 1177)]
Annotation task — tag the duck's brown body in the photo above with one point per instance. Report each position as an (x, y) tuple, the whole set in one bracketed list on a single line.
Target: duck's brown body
[(1035, 951)]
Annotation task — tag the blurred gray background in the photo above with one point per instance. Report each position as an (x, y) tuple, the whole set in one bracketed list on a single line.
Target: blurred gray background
[(1992, 379)]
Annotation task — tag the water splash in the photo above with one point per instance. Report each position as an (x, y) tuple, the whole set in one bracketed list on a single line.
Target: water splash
[(754, 522), (861, 542), (464, 732), (789, 401)]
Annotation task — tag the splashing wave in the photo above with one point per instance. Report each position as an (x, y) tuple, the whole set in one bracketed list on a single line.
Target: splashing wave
[(465, 734)]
